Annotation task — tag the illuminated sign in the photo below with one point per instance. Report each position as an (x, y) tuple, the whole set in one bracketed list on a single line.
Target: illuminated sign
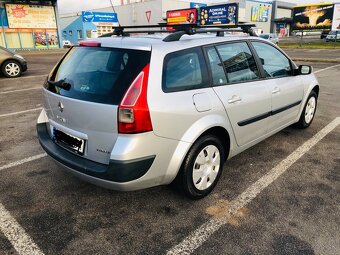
[(313, 17), (185, 16), (99, 17), (225, 14)]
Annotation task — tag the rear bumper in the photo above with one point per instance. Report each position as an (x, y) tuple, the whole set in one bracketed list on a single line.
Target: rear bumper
[(115, 175)]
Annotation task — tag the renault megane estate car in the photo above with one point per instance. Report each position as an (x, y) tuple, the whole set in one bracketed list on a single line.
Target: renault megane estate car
[(129, 113)]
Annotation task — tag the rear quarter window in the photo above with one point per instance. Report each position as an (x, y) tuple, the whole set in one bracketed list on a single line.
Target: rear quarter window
[(184, 70)]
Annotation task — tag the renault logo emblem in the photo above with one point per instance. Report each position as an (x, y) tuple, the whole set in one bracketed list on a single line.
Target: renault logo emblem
[(61, 107)]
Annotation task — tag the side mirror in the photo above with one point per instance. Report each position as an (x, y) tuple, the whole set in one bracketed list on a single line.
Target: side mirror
[(305, 70), (262, 61)]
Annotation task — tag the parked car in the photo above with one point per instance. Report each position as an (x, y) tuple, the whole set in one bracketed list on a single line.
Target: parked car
[(67, 44), (128, 113), (324, 34), (12, 64), (332, 34), (270, 37)]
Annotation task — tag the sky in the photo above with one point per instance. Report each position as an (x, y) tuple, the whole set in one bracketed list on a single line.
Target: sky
[(67, 6)]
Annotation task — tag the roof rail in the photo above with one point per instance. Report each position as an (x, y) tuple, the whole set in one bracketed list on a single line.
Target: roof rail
[(179, 30)]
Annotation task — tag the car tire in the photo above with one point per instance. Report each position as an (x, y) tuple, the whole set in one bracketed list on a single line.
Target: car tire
[(11, 69), (202, 167), (308, 112)]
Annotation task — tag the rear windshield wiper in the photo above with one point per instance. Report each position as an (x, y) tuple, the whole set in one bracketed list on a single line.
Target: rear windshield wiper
[(60, 84)]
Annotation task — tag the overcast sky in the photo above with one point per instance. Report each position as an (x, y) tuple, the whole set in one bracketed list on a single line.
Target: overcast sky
[(67, 6)]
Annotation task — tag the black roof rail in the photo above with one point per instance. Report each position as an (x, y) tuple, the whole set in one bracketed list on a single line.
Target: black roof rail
[(179, 30), (219, 30)]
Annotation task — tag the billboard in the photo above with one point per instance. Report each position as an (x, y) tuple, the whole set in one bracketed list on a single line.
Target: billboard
[(260, 13), (185, 16), (99, 17), (30, 16), (313, 17), (336, 17), (224, 14)]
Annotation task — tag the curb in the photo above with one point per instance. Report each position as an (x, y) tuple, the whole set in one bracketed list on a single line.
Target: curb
[(321, 60), (36, 52)]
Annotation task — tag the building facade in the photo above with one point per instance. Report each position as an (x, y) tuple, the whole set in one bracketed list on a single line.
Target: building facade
[(29, 24), (133, 12), (87, 24), (282, 18), (268, 16)]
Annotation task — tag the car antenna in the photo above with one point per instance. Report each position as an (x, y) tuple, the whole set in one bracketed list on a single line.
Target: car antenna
[(113, 8)]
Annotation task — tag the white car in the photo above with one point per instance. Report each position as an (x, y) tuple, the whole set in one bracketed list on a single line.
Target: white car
[(270, 37), (132, 112), (331, 36), (67, 44)]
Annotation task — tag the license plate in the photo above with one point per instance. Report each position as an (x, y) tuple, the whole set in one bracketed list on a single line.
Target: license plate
[(69, 142)]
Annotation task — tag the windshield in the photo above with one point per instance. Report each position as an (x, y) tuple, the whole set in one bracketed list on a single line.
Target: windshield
[(97, 74), (264, 36)]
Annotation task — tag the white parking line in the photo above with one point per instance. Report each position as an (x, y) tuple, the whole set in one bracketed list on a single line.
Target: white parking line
[(200, 235), (22, 161), (324, 69), (25, 77), (21, 242), (18, 90), (15, 113)]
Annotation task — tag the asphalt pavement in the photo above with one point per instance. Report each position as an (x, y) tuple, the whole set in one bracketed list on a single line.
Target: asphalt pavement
[(45, 210)]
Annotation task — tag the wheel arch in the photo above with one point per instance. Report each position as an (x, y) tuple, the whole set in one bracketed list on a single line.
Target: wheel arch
[(223, 135), (184, 147), (316, 89)]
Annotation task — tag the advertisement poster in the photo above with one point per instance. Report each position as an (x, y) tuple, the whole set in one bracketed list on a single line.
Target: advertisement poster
[(99, 17), (185, 16), (336, 17), (313, 17), (52, 39), (30, 16), (260, 13), (40, 40), (225, 14)]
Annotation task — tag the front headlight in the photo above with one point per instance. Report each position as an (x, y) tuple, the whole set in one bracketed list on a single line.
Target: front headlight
[(18, 56)]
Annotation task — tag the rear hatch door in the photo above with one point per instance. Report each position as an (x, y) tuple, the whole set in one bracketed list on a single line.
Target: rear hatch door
[(82, 95)]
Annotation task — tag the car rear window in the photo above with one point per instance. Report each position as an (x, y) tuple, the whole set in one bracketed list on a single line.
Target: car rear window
[(100, 75)]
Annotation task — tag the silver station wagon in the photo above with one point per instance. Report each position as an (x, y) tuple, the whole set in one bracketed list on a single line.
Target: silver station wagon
[(132, 112)]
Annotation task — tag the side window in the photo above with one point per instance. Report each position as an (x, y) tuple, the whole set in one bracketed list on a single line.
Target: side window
[(274, 63), (217, 70), (238, 62), (184, 70)]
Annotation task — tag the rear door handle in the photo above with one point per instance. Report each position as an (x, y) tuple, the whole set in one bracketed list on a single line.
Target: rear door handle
[(234, 99), (276, 90)]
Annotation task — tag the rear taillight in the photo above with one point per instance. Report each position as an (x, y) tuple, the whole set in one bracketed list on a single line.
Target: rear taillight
[(133, 111)]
